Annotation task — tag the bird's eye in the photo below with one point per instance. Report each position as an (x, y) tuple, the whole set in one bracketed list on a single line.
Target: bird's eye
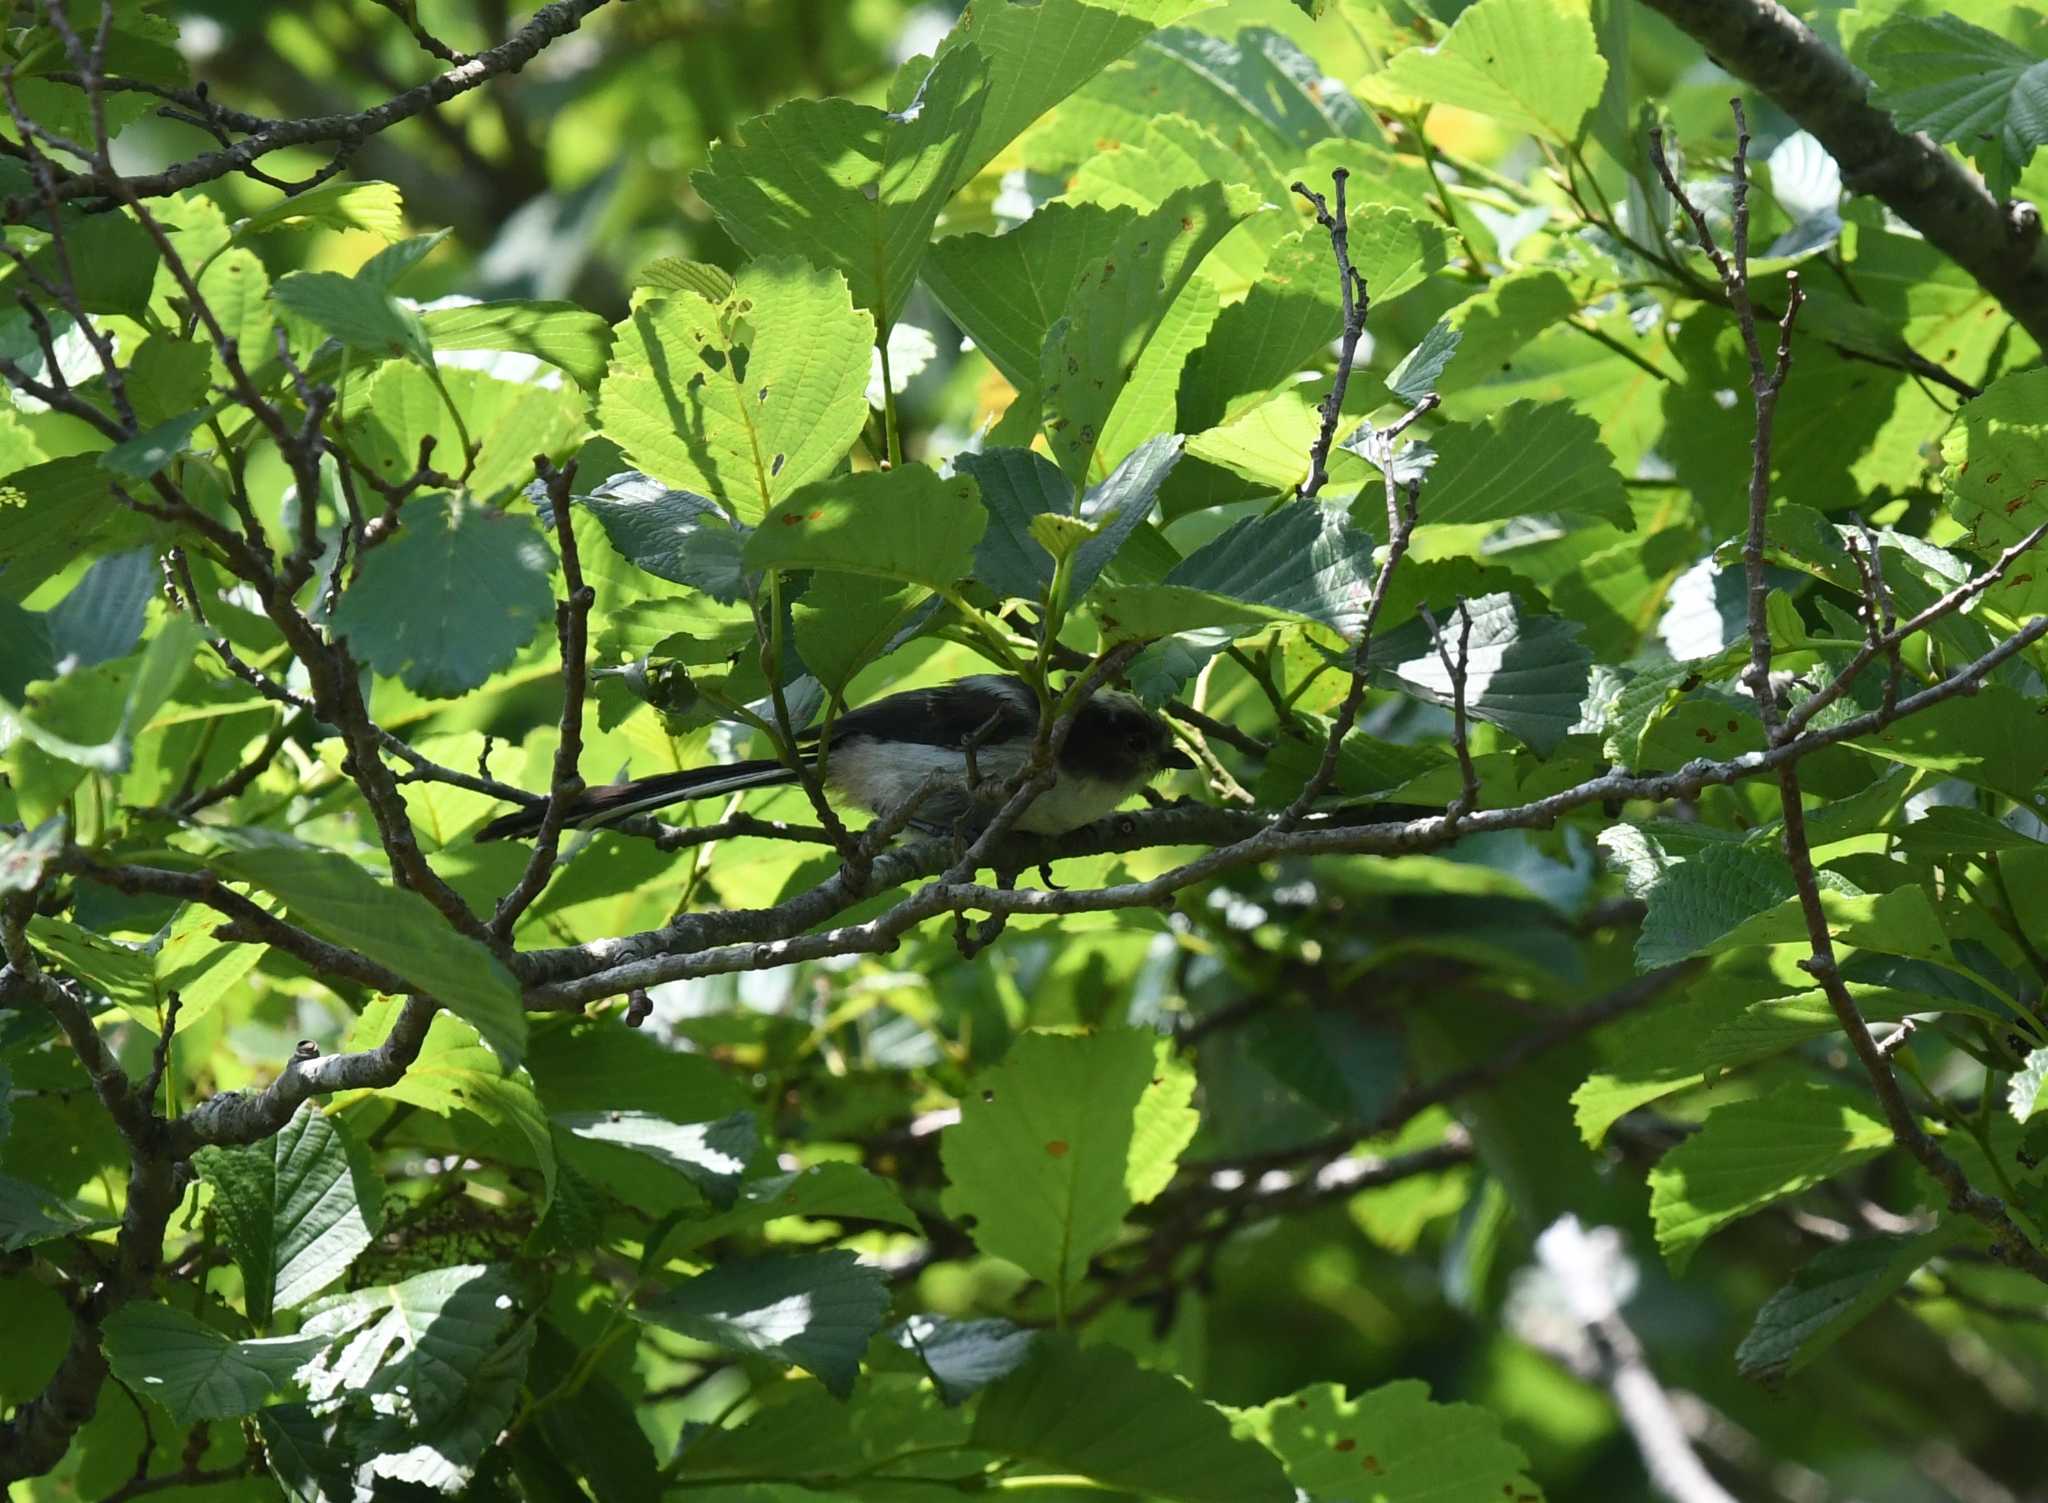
[(1137, 741)]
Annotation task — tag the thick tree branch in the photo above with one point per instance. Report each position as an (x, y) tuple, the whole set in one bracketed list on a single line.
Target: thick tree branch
[(1769, 48), (251, 1116), (719, 941)]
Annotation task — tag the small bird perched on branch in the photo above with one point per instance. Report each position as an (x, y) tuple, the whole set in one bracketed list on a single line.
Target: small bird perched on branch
[(882, 753)]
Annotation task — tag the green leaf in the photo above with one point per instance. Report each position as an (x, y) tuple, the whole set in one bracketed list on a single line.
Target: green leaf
[(451, 599), (237, 288), (1301, 562), (812, 1310), (1040, 51), (572, 339), (30, 1214), (445, 1457), (1390, 1444), (1056, 1145), (24, 857), (1019, 485), (2023, 1089), (1986, 738), (1293, 310), (965, 1356), (1996, 460), (54, 513), (844, 622), (1117, 305), (1488, 64), (109, 260), (714, 284), (1706, 896), (295, 1210), (1525, 673), (1257, 83), (673, 535), (1268, 444), (410, 1347), (904, 523), (338, 204), (895, 1424), (711, 1155), (1007, 291), (1165, 1443), (391, 265), (591, 1425), (823, 1190), (142, 456), (1836, 1289), (303, 1456), (1494, 324), (1422, 367), (203, 970), (340, 902), (1750, 1154), (457, 1074), (1528, 459), (194, 1371), (89, 720), (359, 312), (1960, 83), (858, 189), (747, 400)]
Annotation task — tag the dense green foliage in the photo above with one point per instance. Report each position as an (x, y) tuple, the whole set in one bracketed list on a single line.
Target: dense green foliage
[(1654, 1090)]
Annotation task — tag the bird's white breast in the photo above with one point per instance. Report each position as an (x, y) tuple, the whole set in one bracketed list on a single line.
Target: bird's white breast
[(880, 775)]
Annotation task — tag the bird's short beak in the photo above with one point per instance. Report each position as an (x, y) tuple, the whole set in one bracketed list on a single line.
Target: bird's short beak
[(1177, 760)]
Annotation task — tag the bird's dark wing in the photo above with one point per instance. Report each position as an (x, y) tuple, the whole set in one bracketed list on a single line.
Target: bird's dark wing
[(993, 707)]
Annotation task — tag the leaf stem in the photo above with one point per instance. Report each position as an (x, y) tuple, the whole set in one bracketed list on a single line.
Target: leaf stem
[(891, 433)]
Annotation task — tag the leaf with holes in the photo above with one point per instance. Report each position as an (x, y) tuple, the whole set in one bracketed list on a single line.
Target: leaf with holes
[(746, 400), (1393, 1444)]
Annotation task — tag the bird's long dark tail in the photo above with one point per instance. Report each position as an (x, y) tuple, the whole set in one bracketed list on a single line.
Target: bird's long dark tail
[(613, 801)]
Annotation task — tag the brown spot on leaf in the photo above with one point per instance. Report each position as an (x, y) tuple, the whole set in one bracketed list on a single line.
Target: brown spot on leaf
[(1347, 1444), (1057, 1147)]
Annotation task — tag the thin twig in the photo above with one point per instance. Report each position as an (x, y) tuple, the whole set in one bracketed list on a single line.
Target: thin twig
[(1461, 726), (572, 631), (1353, 294)]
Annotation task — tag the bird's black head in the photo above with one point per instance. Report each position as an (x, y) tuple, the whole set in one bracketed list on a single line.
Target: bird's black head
[(1116, 739)]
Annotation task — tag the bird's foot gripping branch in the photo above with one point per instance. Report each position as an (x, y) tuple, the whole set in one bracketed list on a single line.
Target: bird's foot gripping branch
[(1543, 749)]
